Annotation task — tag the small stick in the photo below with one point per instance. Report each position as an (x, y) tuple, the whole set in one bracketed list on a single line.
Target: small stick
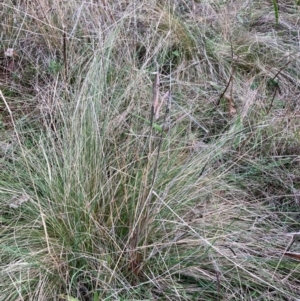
[(229, 81), (226, 88), (272, 100), (281, 70)]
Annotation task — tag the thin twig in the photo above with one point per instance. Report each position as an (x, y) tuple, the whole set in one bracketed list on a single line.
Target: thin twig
[(224, 91), (281, 70), (230, 78), (202, 170), (272, 100)]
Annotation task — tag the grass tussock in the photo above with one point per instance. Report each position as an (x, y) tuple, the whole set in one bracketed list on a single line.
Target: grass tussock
[(149, 151)]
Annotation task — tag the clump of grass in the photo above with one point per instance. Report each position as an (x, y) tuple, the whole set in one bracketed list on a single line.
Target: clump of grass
[(99, 204)]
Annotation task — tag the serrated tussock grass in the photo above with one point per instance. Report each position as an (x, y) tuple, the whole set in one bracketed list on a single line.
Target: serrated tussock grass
[(103, 200)]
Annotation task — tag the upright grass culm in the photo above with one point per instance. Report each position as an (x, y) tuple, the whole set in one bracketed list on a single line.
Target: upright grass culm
[(276, 11), (102, 198)]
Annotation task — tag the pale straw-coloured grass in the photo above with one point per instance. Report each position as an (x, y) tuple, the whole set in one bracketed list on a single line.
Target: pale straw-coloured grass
[(104, 198)]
